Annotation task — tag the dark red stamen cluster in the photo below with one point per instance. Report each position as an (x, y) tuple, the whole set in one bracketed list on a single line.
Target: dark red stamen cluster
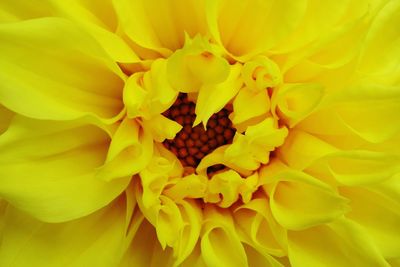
[(191, 144)]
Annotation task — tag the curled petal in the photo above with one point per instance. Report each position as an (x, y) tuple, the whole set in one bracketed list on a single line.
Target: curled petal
[(5, 118), (87, 81), (220, 244), (29, 242), (259, 229), (147, 94), (190, 186), (162, 128), (250, 150), (249, 105), (361, 167), (379, 215), (197, 63), (261, 73), (301, 149), (248, 28), (160, 26), (226, 187), (299, 201), (297, 101), (130, 151), (45, 167), (348, 244), (381, 46), (212, 98)]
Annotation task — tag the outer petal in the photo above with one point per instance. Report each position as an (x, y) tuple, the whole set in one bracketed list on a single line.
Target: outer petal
[(48, 169), (160, 25), (28, 242), (296, 101), (220, 244), (348, 246), (379, 215), (245, 28), (258, 228), (367, 110), (5, 118), (319, 204), (52, 70), (130, 151), (382, 46), (145, 250), (99, 18)]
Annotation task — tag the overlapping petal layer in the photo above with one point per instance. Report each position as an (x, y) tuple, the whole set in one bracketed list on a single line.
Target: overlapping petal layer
[(311, 177)]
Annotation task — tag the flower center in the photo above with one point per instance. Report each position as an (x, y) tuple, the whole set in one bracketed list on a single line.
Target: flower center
[(191, 144)]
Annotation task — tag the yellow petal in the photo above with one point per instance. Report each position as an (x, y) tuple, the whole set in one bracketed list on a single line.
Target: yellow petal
[(319, 20), (197, 63), (261, 73), (258, 228), (169, 222), (48, 169), (301, 149), (190, 186), (87, 82), (162, 128), (212, 98), (379, 215), (29, 242), (148, 94), (130, 151), (361, 167), (218, 157), (145, 250), (257, 259), (24, 10), (249, 105), (251, 27), (297, 101), (250, 150), (348, 246), (220, 245), (299, 201), (100, 20), (5, 118), (228, 186), (188, 239), (381, 47), (370, 110), (160, 26)]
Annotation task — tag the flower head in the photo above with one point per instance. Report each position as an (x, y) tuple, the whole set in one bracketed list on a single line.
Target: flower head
[(199, 133)]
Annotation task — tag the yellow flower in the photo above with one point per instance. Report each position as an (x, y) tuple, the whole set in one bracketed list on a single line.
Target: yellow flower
[(200, 133)]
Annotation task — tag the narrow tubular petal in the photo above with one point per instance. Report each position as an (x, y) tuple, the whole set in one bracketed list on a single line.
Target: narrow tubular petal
[(342, 243), (48, 169), (47, 74), (29, 242)]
